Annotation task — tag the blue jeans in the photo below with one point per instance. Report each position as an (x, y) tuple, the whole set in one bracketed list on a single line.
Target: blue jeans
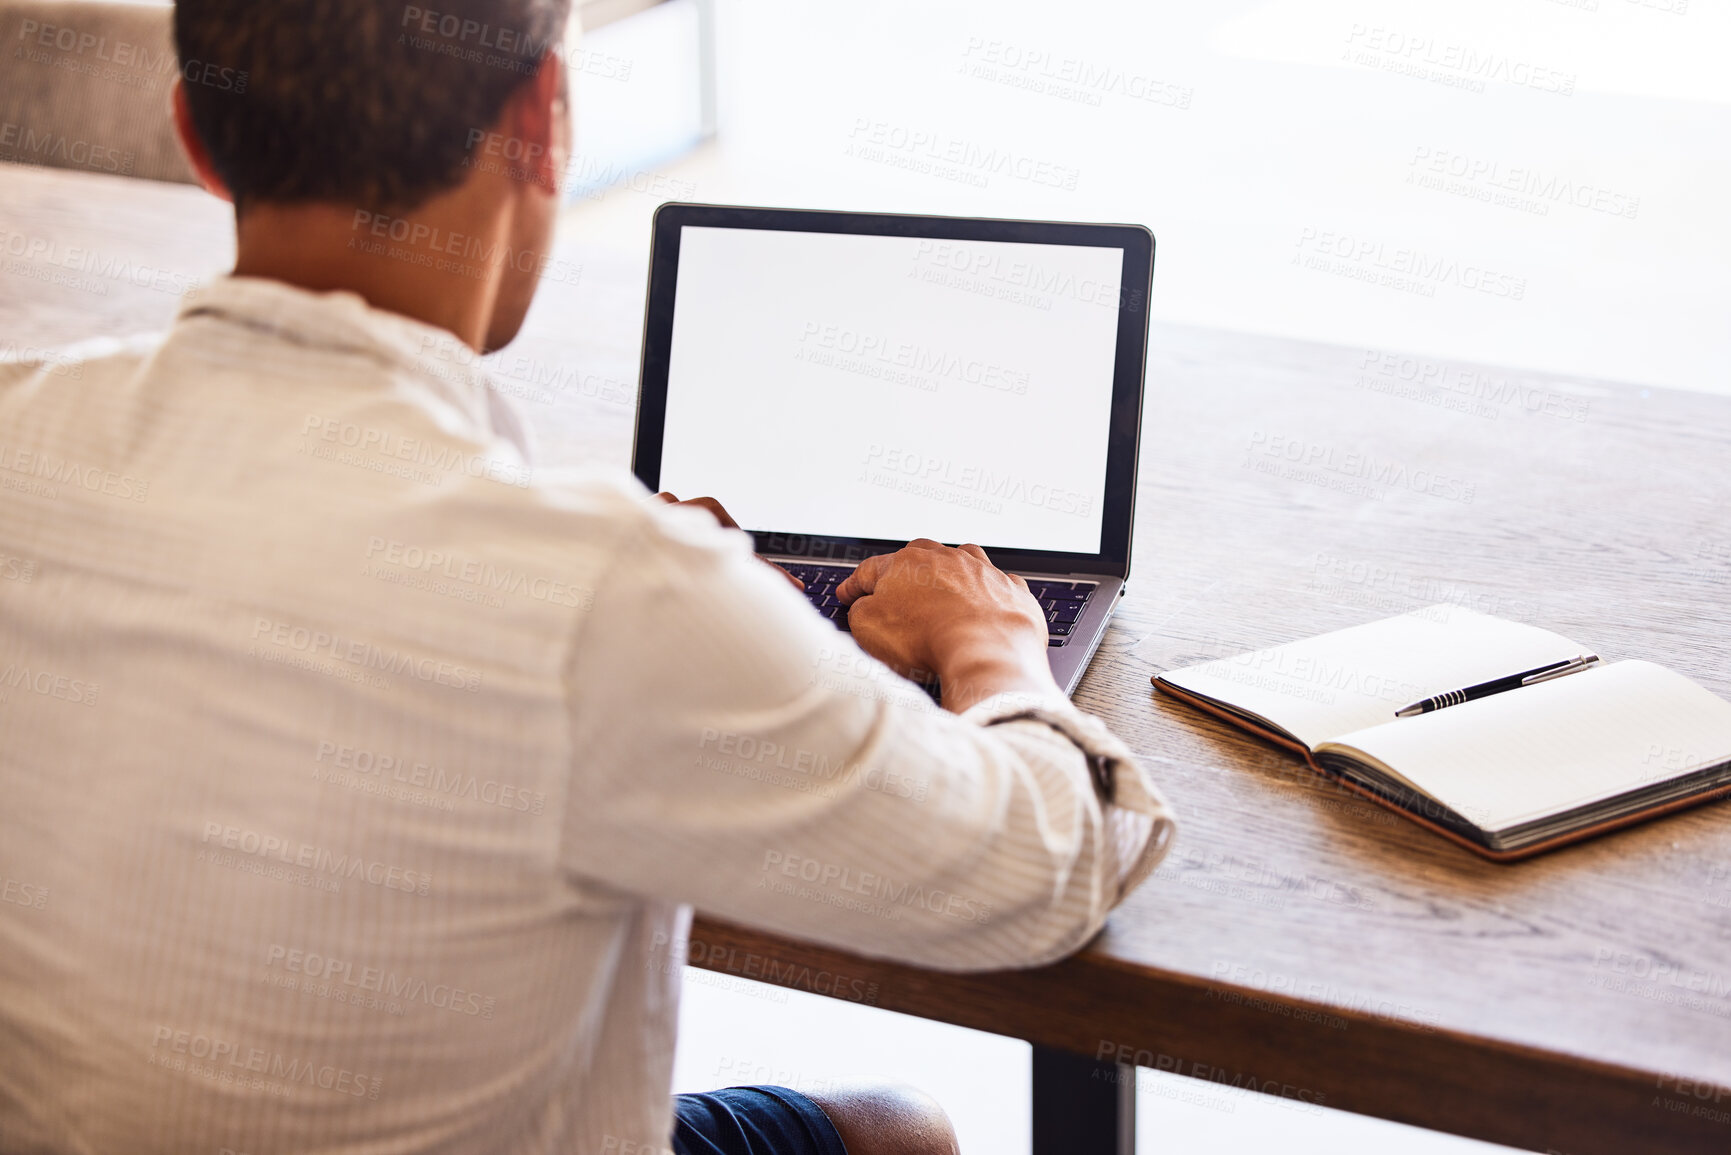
[(752, 1121)]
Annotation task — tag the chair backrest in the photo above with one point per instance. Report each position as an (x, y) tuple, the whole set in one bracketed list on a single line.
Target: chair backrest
[(86, 85)]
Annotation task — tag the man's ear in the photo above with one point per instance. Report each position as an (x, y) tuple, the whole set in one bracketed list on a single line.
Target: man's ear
[(193, 146), (539, 115)]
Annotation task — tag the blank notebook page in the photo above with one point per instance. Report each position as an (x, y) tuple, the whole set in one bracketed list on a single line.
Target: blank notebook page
[(1323, 687), (1543, 749)]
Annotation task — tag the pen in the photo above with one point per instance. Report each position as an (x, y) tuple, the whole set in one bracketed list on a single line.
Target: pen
[(1485, 689)]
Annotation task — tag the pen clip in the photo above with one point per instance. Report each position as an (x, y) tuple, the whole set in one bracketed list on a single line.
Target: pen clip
[(1572, 666)]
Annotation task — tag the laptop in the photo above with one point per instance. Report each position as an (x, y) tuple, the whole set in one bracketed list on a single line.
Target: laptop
[(845, 382)]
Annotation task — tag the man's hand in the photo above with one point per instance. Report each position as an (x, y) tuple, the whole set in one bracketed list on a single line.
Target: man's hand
[(930, 607), (726, 519)]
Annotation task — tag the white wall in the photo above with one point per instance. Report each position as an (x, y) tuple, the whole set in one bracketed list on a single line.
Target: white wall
[(1250, 133)]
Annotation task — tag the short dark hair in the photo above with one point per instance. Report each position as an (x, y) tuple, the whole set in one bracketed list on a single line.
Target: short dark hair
[(366, 102)]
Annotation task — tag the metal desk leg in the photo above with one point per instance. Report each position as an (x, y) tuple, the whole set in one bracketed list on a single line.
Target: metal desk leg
[(1081, 1106)]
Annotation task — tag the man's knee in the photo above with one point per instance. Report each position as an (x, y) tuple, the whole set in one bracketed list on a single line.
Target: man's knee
[(888, 1119)]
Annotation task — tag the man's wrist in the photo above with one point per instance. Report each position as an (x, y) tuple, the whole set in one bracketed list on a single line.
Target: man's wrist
[(969, 679)]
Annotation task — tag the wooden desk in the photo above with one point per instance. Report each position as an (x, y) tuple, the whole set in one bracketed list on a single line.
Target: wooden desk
[(1296, 938)]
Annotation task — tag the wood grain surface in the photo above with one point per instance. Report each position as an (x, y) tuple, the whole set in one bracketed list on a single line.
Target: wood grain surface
[(1296, 939)]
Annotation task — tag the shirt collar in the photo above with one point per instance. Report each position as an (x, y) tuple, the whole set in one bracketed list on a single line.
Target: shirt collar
[(343, 322)]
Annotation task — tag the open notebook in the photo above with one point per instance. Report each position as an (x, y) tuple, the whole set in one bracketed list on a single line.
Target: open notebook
[(1507, 775)]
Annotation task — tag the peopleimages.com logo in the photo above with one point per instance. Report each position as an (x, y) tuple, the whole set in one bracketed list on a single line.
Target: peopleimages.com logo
[(225, 1061), (309, 857), (944, 473), (365, 655)]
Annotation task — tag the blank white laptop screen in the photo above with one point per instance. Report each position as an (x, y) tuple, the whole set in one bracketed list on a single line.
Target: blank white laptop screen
[(894, 387)]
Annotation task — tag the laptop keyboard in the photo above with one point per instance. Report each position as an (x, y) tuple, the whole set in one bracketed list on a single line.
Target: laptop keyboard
[(1063, 601)]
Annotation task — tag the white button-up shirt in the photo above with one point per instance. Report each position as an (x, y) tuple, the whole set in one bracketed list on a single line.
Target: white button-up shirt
[(360, 773)]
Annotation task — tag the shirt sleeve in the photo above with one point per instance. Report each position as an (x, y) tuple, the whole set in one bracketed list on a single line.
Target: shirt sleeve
[(733, 750)]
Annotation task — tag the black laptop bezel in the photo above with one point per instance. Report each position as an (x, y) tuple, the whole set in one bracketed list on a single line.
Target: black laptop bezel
[(1118, 506)]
